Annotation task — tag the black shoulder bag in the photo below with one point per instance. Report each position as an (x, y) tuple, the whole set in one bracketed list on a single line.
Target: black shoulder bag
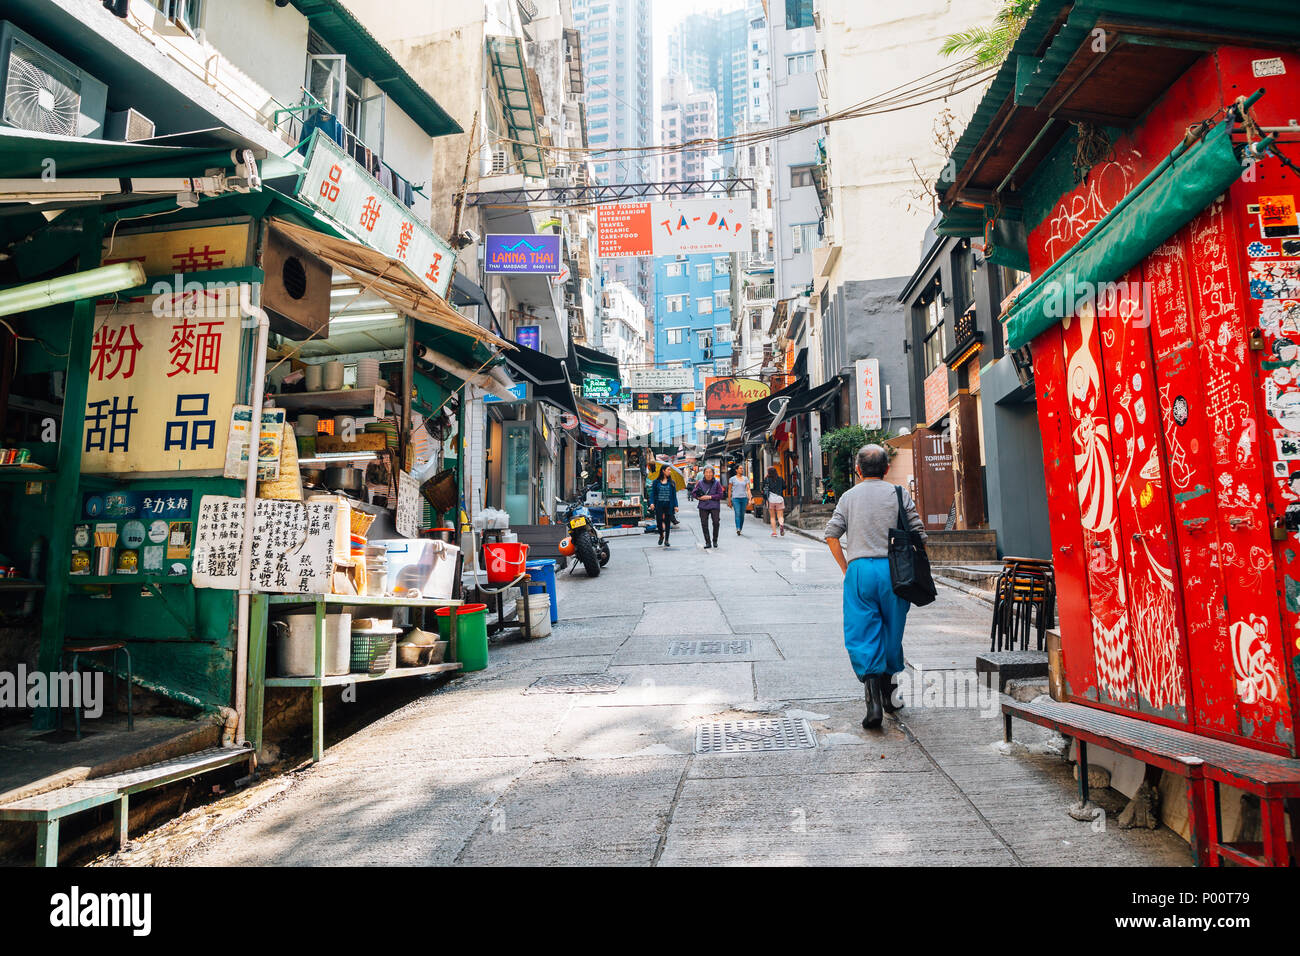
[(909, 568)]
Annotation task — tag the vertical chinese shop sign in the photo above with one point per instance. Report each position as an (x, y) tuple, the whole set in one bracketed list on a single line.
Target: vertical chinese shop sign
[(163, 378)]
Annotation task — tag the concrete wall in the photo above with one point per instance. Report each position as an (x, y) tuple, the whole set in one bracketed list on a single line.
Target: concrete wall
[(866, 320), (1013, 457)]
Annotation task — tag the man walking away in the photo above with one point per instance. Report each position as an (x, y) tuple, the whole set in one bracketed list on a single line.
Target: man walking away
[(708, 491), (663, 496), (739, 487), (874, 616)]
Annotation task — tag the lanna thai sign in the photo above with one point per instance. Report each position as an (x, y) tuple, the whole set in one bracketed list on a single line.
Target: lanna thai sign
[(293, 545), (373, 216), (163, 378)]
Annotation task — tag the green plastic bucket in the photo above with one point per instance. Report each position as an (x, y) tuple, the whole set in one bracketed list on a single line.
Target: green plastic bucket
[(471, 634)]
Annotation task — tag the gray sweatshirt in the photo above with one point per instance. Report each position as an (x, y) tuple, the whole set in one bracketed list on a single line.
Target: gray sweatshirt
[(864, 516)]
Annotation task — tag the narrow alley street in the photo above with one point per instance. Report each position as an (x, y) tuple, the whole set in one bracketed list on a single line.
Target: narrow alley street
[(495, 769)]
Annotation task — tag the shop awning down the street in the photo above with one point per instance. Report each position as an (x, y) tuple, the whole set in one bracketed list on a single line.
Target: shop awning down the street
[(761, 416), (548, 376)]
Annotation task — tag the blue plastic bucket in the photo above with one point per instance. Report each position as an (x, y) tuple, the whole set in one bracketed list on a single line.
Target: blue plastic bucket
[(543, 572)]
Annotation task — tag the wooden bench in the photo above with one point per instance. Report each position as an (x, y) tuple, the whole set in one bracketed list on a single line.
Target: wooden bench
[(46, 810), (1203, 761)]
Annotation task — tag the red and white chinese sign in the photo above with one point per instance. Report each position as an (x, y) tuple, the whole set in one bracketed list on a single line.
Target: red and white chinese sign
[(867, 375), (370, 214), (163, 377), (667, 228)]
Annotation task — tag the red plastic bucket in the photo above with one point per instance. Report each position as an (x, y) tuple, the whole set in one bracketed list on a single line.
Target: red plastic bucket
[(505, 561)]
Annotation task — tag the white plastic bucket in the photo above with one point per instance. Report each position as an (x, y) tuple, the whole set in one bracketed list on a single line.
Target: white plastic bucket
[(539, 615)]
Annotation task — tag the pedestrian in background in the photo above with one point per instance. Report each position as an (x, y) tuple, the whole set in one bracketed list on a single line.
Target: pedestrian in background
[(739, 488), (663, 496), (774, 492), (709, 492), (874, 616)]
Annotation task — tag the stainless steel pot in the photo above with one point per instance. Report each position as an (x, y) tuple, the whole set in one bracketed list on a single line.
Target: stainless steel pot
[(293, 644), (345, 478)]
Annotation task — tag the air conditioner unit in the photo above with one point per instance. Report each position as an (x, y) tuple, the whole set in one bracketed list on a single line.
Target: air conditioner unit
[(128, 126), (42, 92)]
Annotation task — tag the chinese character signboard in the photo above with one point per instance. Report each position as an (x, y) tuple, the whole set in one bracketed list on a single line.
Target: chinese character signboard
[(522, 254), (936, 394), (370, 214), (163, 377), (867, 374), (294, 545), (666, 228), (727, 397), (660, 379), (165, 252)]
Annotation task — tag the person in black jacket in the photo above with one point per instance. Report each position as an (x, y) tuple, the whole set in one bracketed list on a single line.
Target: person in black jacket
[(709, 492), (663, 496), (774, 491)]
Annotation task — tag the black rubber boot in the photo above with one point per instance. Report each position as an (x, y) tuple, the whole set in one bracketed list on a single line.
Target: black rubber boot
[(887, 687), (874, 705)]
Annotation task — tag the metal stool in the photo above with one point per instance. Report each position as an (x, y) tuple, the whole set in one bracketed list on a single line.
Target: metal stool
[(1025, 595), (76, 650)]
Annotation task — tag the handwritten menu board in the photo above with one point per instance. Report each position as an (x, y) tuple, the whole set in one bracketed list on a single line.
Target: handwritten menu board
[(408, 506), (293, 549)]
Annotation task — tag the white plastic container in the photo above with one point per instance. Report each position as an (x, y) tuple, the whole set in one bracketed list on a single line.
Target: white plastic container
[(421, 564), (539, 615)]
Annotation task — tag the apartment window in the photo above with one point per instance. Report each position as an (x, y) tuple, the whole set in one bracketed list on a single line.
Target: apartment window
[(673, 269), (722, 334), (704, 273), (722, 299), (186, 13), (704, 338), (675, 336), (756, 320), (674, 303), (704, 306), (801, 176), (721, 266), (936, 337), (803, 237), (798, 63)]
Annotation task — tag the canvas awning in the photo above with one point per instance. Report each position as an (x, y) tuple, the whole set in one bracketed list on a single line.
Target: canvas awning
[(584, 361), (388, 278), (757, 415), (549, 376), (1187, 181), (24, 154)]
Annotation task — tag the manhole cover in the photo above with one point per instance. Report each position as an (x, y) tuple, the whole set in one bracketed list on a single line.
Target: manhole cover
[(575, 684), (754, 736), (708, 648)]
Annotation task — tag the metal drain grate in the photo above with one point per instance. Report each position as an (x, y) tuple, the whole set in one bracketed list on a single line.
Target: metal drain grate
[(575, 684), (754, 736), (708, 648)]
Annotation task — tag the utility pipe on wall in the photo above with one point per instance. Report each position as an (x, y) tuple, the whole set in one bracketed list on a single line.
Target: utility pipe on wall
[(248, 308)]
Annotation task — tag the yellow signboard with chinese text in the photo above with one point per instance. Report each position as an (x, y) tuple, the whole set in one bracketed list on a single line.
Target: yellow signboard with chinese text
[(164, 374), (168, 251)]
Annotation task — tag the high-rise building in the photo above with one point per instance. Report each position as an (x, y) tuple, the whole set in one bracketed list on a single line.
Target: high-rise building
[(619, 73), (710, 50)]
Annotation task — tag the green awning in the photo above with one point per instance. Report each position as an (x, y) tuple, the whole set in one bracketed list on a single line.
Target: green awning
[(585, 361), (27, 155), (1181, 187), (345, 33)]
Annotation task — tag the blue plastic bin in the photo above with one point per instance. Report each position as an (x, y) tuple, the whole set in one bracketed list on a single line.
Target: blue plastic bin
[(544, 573)]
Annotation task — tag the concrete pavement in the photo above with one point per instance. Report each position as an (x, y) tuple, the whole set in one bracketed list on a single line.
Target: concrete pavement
[(491, 769)]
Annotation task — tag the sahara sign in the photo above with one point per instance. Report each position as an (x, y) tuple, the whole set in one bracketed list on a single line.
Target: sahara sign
[(522, 255), (371, 215), (672, 227), (727, 397)]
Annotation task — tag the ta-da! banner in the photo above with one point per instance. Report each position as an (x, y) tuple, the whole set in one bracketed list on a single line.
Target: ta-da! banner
[(673, 227)]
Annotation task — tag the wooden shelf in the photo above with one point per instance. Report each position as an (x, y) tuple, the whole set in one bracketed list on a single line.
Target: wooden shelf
[(27, 472), (17, 584), (344, 399), (360, 599), (129, 578), (344, 679)]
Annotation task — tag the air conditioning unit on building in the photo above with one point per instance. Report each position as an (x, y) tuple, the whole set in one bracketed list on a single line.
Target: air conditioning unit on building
[(42, 92), (128, 126)]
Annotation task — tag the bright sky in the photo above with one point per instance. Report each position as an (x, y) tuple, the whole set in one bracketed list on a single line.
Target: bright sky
[(666, 14)]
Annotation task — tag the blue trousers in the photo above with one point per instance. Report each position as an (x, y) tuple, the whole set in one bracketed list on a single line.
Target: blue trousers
[(738, 506), (873, 619)]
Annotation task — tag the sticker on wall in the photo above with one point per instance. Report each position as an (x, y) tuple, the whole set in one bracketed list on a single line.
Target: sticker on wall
[(1286, 409), (151, 557), (180, 534), (1279, 469), (1291, 248), (1287, 445), (133, 534), (1179, 411), (1261, 250), (1251, 660), (1277, 217), (158, 531), (1274, 279)]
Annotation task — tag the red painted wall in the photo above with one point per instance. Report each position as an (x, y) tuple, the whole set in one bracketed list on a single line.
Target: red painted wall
[(1170, 415)]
